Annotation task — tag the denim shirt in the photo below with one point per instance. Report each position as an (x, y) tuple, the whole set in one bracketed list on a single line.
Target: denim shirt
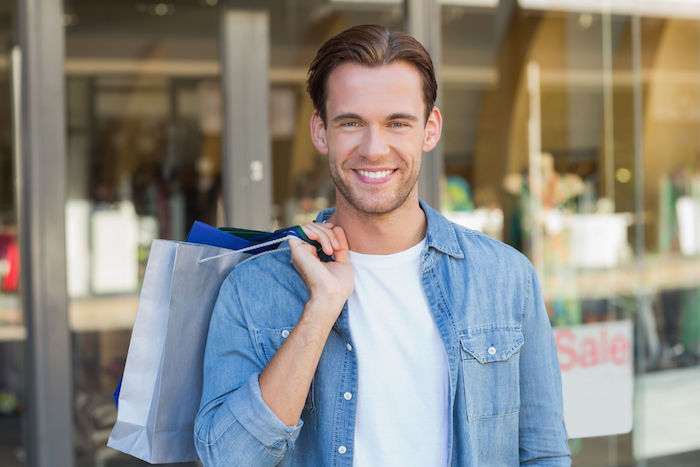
[(505, 384)]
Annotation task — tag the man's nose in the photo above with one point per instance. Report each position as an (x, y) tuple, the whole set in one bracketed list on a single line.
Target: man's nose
[(374, 145)]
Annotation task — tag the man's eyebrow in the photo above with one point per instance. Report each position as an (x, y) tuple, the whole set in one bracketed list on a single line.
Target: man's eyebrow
[(346, 116), (402, 116)]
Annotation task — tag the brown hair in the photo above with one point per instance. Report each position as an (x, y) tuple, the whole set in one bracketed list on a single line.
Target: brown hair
[(369, 45)]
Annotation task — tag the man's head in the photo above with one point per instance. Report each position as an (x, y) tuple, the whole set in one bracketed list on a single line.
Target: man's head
[(370, 46), (374, 118)]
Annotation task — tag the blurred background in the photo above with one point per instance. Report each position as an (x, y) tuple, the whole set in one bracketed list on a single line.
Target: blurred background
[(572, 132)]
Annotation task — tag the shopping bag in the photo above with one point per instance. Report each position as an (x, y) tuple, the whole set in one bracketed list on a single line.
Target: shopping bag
[(162, 383), (206, 234), (238, 239)]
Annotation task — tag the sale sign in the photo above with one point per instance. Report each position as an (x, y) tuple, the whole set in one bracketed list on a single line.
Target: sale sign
[(597, 377)]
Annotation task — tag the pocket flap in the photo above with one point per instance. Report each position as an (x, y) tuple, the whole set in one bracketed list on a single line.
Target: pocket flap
[(492, 345), (270, 340)]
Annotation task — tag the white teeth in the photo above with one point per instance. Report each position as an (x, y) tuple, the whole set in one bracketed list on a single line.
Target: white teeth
[(380, 174)]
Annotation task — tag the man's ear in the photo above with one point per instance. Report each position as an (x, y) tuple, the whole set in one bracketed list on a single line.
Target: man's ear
[(318, 133), (433, 130)]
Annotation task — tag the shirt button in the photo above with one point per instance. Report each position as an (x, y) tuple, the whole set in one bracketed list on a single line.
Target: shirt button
[(349, 347), (342, 449), (285, 333), (492, 350), (347, 396)]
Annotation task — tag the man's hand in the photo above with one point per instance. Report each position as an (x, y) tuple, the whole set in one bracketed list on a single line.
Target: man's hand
[(330, 284), (285, 382)]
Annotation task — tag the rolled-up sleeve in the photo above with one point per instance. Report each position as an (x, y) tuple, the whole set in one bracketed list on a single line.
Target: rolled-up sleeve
[(234, 425), (543, 440)]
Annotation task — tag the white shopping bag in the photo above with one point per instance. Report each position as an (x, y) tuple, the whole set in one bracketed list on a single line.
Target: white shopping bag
[(162, 383)]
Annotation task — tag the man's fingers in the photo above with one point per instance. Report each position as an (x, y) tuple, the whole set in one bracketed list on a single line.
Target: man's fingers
[(323, 234), (304, 256), (340, 236), (341, 253)]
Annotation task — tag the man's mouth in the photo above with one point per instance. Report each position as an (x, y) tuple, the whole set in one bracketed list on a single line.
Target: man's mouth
[(374, 174)]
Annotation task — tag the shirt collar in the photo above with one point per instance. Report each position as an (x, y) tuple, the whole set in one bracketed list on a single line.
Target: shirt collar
[(441, 233)]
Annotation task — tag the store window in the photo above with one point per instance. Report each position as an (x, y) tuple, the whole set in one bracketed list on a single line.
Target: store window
[(670, 57), (558, 144), (144, 121), (555, 141)]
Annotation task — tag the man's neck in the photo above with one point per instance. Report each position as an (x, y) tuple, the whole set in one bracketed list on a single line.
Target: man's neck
[(382, 234)]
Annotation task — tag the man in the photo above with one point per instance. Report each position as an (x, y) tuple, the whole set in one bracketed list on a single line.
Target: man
[(422, 343)]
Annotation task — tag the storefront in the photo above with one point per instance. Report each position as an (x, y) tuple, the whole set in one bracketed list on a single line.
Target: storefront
[(571, 133)]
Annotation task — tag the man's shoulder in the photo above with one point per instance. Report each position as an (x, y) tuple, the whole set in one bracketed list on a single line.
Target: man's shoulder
[(264, 274), (267, 289), (269, 263), (487, 251), (475, 247), (489, 285)]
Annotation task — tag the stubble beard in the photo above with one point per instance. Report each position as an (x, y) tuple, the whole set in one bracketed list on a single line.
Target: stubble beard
[(365, 203)]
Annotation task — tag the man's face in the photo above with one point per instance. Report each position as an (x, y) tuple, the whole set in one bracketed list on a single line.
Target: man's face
[(375, 135)]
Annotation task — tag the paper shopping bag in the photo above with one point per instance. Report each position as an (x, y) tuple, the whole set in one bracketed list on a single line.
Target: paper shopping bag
[(252, 241), (162, 382)]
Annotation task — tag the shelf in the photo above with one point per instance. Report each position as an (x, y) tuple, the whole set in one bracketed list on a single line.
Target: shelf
[(108, 313), (655, 274)]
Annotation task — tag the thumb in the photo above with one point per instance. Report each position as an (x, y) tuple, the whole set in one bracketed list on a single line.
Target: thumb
[(297, 246)]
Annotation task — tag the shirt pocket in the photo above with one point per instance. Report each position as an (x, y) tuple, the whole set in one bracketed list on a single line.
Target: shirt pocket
[(491, 371), (268, 342)]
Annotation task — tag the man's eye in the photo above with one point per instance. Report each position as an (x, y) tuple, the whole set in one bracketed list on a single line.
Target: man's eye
[(350, 124), (398, 124)]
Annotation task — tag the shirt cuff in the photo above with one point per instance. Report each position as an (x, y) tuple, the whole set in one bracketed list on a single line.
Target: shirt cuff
[(251, 411)]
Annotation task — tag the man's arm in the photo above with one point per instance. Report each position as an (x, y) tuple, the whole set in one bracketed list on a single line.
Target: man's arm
[(250, 415), (543, 440), (286, 380)]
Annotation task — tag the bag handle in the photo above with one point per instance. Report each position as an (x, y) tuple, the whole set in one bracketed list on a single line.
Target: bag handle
[(250, 248)]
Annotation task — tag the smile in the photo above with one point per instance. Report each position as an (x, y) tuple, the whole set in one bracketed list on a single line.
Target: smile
[(376, 174)]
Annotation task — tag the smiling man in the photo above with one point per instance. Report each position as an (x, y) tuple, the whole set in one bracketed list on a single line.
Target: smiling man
[(419, 343)]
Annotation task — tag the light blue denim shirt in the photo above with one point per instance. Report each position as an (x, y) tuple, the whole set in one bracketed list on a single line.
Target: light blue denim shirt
[(505, 385)]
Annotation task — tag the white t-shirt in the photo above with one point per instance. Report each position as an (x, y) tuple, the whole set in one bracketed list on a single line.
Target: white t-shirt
[(403, 385)]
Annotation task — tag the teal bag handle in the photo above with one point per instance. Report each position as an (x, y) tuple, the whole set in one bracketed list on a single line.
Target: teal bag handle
[(259, 236)]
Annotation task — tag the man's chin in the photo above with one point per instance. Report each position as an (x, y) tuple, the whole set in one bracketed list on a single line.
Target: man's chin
[(375, 207), (375, 202)]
